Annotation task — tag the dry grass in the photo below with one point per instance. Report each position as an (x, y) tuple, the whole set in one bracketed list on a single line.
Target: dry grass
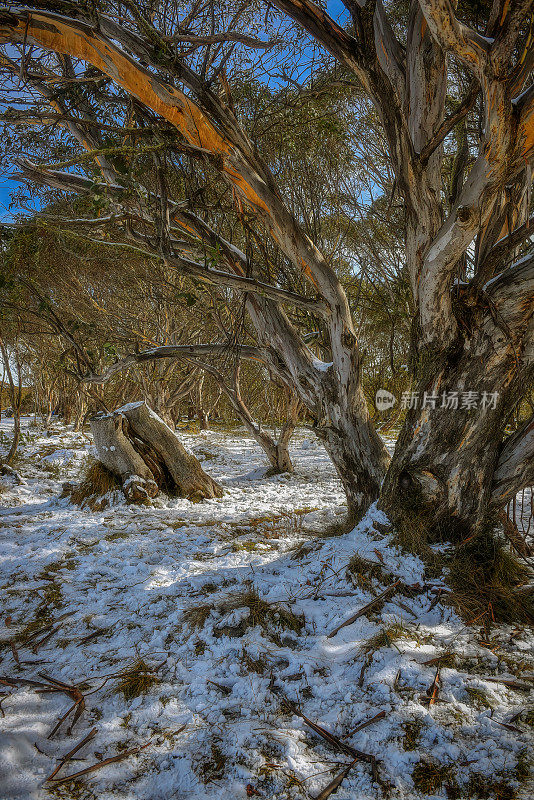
[(302, 549), (412, 733), (412, 536), (96, 483), (135, 680), (258, 665), (386, 637), (485, 579), (274, 526), (266, 615), (479, 697), (196, 616), (365, 573), (74, 790), (480, 787), (214, 767), (263, 613), (428, 777)]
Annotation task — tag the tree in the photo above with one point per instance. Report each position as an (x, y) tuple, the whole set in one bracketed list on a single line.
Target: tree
[(9, 356), (334, 395), (450, 469)]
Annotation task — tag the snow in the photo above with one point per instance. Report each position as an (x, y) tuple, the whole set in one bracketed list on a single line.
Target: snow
[(322, 366), (215, 720)]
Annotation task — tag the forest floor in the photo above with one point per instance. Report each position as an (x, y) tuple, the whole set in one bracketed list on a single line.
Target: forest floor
[(192, 643)]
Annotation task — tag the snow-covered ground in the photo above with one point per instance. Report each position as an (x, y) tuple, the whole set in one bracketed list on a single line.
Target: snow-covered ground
[(228, 604)]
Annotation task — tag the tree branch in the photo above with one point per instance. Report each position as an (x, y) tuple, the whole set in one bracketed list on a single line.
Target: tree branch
[(218, 277), (175, 351), (326, 31), (515, 467), (240, 38), (449, 122), (469, 46)]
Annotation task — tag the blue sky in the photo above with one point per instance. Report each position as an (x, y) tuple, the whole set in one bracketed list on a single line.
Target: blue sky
[(335, 8)]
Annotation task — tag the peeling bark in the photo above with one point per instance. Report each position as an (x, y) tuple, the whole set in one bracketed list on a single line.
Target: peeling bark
[(446, 476)]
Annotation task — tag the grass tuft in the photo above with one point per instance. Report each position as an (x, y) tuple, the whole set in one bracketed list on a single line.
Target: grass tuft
[(485, 578), (96, 482), (365, 572), (196, 616), (261, 613), (412, 537), (386, 637), (428, 777), (480, 787), (412, 733), (135, 680)]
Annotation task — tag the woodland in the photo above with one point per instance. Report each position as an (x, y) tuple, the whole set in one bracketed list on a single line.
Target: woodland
[(266, 399)]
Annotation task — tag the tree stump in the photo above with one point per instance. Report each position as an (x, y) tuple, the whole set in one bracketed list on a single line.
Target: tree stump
[(138, 447)]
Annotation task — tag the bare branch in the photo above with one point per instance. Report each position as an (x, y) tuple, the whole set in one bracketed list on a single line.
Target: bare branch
[(449, 122), (325, 30), (218, 277), (240, 38), (175, 351)]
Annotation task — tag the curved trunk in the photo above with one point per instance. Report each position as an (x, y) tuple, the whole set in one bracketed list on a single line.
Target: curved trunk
[(360, 459), (277, 451), (138, 447)]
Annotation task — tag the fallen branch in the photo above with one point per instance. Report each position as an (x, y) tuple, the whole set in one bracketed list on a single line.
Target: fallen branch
[(71, 753), (364, 610), (332, 738), (74, 693), (99, 764), (336, 782), (362, 725)]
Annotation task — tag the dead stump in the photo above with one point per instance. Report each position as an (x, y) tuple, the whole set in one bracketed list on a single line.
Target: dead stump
[(146, 455)]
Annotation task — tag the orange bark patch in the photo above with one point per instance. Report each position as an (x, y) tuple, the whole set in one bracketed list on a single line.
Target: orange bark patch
[(504, 11), (527, 131), (424, 26), (170, 103)]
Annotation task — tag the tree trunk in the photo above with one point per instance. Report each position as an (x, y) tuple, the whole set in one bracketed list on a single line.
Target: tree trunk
[(138, 447), (359, 457), (80, 412), (277, 451), (15, 392), (442, 478)]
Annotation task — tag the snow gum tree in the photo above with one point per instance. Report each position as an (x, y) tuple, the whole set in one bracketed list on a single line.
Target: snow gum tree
[(430, 70)]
